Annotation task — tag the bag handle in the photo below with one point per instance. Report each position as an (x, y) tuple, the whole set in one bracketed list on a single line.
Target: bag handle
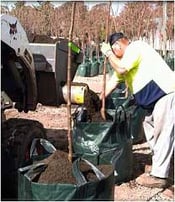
[(33, 170), (79, 175), (47, 146), (118, 113)]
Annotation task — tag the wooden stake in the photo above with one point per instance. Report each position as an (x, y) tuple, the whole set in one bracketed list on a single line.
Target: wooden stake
[(69, 120)]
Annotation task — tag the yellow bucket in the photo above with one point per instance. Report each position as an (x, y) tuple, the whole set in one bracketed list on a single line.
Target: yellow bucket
[(78, 92)]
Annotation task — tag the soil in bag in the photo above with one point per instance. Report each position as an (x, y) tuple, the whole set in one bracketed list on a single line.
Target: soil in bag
[(59, 170)]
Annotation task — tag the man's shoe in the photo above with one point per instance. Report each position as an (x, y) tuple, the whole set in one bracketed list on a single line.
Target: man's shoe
[(148, 180), (169, 192)]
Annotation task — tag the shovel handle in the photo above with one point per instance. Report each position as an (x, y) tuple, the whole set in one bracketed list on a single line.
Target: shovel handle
[(103, 114)]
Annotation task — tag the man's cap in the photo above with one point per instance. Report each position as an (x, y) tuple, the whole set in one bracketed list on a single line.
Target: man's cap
[(115, 37)]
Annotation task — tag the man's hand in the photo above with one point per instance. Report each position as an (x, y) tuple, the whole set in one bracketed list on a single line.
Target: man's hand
[(106, 49)]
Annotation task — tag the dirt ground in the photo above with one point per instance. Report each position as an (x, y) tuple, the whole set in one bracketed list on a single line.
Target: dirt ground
[(54, 120)]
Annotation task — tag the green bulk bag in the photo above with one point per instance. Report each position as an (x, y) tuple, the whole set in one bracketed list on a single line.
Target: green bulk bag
[(116, 98), (81, 71), (84, 69), (106, 143), (94, 67), (101, 64), (170, 61), (100, 189), (135, 114), (109, 68), (136, 117), (88, 66)]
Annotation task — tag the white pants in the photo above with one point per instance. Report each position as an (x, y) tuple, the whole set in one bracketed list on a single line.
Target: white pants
[(159, 131)]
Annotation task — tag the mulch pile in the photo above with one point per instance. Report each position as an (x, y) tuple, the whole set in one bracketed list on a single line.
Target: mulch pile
[(36, 38), (59, 169)]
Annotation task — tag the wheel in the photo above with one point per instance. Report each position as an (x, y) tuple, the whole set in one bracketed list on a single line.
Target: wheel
[(16, 138)]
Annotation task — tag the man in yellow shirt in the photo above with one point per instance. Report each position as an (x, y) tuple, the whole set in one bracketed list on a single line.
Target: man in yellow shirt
[(152, 83)]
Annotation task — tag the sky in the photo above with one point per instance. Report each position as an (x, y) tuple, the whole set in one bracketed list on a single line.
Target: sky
[(116, 5)]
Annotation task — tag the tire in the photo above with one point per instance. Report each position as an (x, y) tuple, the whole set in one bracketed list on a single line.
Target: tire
[(16, 139)]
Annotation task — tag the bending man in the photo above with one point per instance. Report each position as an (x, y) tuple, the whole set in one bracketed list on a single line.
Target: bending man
[(152, 83)]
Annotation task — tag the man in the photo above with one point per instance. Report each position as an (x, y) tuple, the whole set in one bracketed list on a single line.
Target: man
[(152, 83)]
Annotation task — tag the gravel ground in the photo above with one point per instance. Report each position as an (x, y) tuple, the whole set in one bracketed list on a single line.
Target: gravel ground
[(54, 120)]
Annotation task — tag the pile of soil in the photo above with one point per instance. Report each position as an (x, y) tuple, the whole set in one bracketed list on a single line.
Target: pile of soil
[(91, 108), (36, 38), (89, 173), (59, 170)]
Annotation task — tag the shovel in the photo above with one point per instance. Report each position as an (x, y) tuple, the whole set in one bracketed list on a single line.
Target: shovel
[(103, 110)]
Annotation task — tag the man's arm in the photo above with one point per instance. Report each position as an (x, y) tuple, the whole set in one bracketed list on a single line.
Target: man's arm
[(115, 63)]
